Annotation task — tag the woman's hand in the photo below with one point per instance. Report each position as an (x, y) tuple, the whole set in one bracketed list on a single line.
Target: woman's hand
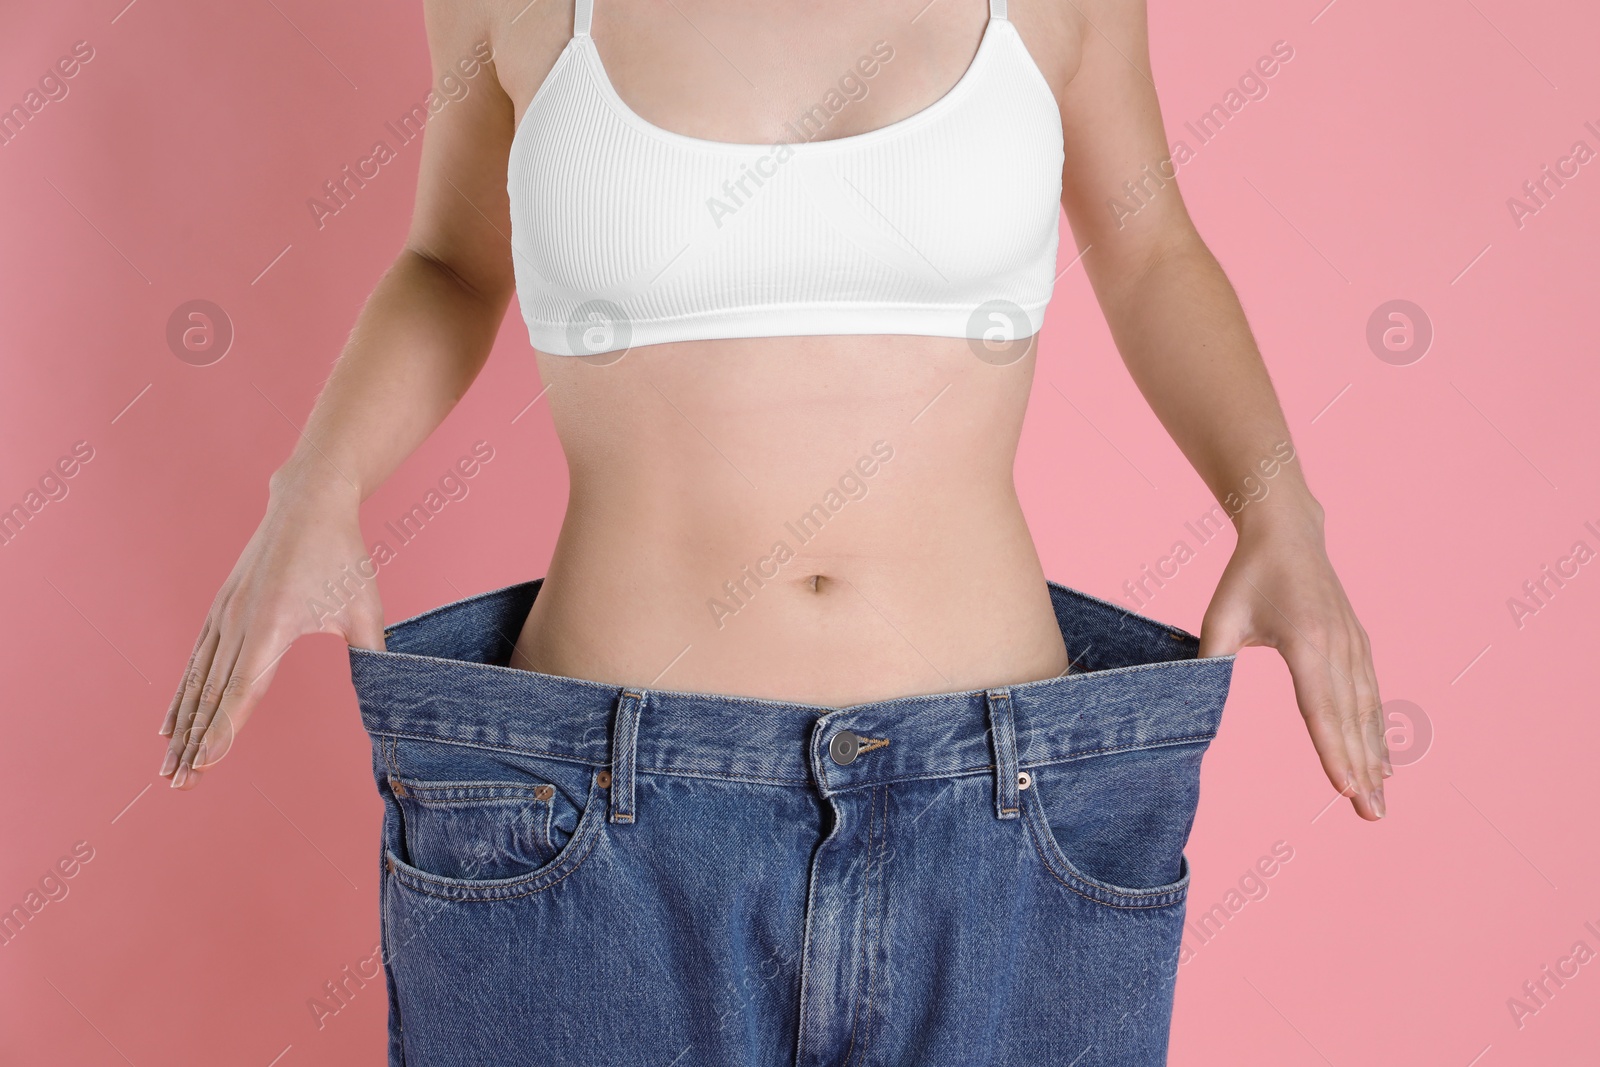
[(301, 573), (1280, 590)]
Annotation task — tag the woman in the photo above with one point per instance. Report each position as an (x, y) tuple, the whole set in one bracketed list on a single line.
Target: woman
[(794, 756)]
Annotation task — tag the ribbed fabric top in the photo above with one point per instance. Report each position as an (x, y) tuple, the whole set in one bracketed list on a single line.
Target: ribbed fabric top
[(944, 223)]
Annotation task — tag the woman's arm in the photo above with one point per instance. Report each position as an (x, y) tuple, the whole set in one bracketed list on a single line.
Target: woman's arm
[(417, 345), (1183, 335)]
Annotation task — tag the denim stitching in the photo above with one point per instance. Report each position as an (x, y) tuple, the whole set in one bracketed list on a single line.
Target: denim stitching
[(566, 756), (1168, 742), (705, 774), (624, 752), (806, 951), (726, 776), (1003, 737), (1159, 897), (699, 773), (517, 790), (444, 890), (866, 944), (877, 933), (416, 885)]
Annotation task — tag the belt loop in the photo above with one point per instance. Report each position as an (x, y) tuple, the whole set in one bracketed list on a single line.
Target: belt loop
[(624, 738), (1007, 804)]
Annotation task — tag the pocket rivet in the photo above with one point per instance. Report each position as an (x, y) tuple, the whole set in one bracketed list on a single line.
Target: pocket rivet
[(544, 792), (603, 779), (1024, 780), (390, 864), (397, 785)]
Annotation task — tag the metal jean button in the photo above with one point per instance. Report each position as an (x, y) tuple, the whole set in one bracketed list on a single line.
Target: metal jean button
[(844, 746)]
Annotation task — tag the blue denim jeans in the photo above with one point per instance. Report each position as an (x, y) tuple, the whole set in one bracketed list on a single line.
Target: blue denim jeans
[(584, 874)]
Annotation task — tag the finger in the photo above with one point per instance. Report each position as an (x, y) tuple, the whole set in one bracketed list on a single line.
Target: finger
[(252, 673), (1225, 632), (1368, 782), (210, 699), (170, 720), (1314, 692), (1371, 710), (365, 629), (194, 681), (1227, 625), (1384, 755), (1335, 652)]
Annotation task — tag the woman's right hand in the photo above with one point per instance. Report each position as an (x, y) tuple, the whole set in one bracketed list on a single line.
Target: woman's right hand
[(304, 571)]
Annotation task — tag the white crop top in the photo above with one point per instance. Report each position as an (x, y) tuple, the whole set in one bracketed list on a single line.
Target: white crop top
[(942, 224)]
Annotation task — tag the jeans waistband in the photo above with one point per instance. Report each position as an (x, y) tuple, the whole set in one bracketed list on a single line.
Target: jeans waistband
[(1135, 683)]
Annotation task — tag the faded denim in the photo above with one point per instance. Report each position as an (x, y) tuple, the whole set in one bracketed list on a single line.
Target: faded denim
[(584, 874)]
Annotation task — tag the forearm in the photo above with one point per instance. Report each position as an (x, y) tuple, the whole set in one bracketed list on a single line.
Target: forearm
[(1183, 336), (417, 345)]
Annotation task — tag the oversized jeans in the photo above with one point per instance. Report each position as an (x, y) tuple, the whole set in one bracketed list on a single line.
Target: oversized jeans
[(586, 874)]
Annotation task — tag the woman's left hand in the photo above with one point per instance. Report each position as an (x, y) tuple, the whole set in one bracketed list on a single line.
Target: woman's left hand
[(1279, 590)]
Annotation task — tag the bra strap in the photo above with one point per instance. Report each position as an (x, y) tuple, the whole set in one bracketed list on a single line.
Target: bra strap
[(583, 14), (997, 9)]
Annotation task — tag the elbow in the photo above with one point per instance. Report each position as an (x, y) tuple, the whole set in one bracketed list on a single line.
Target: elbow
[(1129, 268), (492, 289)]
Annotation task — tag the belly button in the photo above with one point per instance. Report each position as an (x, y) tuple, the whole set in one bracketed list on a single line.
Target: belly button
[(815, 582)]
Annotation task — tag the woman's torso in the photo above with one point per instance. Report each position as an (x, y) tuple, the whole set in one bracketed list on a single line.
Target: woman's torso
[(827, 519)]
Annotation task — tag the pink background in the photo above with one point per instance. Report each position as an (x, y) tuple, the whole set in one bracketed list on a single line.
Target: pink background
[(1377, 168)]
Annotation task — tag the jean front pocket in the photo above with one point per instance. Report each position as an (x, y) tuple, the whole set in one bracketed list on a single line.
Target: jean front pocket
[(1113, 826), (482, 829), (465, 815)]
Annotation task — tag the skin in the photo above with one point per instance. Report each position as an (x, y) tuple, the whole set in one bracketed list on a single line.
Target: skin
[(930, 581)]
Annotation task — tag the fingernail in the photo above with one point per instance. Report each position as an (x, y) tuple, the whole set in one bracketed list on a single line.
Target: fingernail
[(1377, 802), (178, 778), (168, 762), (200, 756)]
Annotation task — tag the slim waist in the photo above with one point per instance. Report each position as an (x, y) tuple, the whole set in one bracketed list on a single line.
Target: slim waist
[(1136, 683)]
